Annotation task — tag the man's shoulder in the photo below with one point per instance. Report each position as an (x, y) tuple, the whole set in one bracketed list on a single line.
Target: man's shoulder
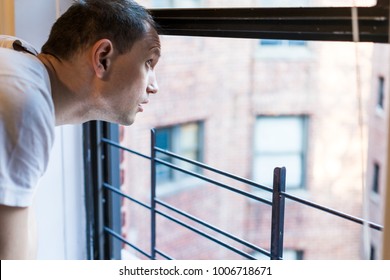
[(24, 82), (14, 60), (20, 67), (17, 56), (7, 41), (14, 43)]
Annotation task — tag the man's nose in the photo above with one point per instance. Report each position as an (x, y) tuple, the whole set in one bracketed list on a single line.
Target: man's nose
[(152, 85)]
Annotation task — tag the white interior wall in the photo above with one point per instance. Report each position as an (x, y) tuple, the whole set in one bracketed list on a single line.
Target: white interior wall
[(60, 206)]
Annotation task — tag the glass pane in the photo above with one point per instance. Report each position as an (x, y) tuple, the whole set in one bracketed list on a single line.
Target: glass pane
[(187, 145), (265, 165), (226, 85), (254, 3), (163, 138), (163, 141), (189, 137), (279, 134), (269, 42)]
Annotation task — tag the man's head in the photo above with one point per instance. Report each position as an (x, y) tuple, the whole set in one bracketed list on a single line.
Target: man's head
[(123, 22), (105, 52)]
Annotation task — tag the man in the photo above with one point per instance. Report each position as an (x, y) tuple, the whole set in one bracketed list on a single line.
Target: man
[(98, 64)]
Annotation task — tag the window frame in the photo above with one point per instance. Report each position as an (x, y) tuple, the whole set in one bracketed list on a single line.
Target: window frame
[(380, 101), (376, 177), (175, 132), (324, 24), (304, 122)]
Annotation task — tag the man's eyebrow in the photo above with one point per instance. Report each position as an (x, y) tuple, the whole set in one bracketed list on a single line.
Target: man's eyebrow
[(156, 51)]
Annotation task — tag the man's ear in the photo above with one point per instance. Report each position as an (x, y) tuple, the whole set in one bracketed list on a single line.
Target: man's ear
[(102, 55)]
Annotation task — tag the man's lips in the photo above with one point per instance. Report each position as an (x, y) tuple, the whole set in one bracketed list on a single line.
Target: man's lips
[(140, 108)]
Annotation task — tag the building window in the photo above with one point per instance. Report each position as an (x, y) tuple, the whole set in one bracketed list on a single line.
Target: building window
[(372, 252), (282, 43), (288, 50), (292, 254), (375, 178), (281, 141), (176, 3), (280, 48), (185, 140), (381, 93), (288, 254)]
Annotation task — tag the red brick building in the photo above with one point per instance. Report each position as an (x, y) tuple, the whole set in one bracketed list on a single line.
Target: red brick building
[(377, 148)]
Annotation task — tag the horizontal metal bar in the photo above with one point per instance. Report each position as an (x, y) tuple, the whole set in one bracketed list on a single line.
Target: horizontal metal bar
[(115, 144), (116, 235), (218, 171), (204, 178), (164, 255), (332, 211), (203, 223), (325, 24), (111, 188), (231, 248)]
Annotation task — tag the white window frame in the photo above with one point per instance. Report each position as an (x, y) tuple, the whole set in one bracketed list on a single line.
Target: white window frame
[(303, 153)]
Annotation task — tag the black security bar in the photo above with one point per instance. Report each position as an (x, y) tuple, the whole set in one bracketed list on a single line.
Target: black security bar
[(157, 206), (365, 24)]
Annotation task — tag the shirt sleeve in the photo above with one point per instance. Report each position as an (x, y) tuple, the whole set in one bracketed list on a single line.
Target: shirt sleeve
[(26, 138)]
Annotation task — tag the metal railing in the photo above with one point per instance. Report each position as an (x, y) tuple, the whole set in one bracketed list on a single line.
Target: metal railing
[(110, 235)]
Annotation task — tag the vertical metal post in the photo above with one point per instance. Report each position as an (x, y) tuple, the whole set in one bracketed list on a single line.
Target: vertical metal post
[(94, 189), (112, 208), (153, 193), (89, 190), (277, 226)]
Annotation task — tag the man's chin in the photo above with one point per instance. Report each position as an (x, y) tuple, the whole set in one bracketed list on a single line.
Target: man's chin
[(127, 121)]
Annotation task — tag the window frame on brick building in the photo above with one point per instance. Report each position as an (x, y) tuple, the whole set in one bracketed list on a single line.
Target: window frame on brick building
[(376, 177), (268, 149), (380, 101), (167, 178)]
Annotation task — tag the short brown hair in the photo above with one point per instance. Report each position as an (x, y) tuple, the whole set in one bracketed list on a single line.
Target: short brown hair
[(87, 21)]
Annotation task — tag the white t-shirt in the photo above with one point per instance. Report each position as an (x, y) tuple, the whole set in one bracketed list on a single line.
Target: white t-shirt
[(27, 121)]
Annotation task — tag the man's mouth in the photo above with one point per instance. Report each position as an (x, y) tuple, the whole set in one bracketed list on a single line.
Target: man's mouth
[(140, 108)]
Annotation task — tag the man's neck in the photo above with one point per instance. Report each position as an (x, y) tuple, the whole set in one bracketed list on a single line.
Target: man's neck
[(68, 89)]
